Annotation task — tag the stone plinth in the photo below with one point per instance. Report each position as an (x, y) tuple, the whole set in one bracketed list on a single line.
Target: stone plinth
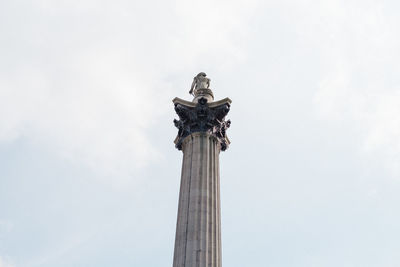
[(201, 137), (203, 93)]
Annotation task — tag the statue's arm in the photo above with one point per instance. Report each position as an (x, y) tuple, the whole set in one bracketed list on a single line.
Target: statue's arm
[(193, 84)]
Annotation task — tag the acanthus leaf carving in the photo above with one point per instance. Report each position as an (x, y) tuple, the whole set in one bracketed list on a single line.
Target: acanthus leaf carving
[(202, 118)]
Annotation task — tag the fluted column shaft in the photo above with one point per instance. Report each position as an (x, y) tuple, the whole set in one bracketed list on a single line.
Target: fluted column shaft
[(198, 230)]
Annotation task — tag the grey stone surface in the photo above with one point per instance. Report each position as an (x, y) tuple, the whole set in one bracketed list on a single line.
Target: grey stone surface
[(202, 117), (201, 137), (203, 93), (200, 81), (198, 230)]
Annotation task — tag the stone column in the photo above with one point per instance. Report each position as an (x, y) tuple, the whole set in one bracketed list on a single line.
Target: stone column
[(201, 137)]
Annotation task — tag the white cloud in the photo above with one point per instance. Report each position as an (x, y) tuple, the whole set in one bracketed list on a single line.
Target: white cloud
[(88, 81), (5, 263), (100, 120), (5, 227), (359, 45)]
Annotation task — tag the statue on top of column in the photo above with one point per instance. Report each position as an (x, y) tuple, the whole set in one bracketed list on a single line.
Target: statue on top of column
[(199, 82)]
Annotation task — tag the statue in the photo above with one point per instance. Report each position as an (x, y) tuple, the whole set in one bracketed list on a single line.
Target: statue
[(199, 82)]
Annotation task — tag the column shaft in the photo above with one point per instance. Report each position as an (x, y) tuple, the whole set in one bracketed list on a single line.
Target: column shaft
[(198, 234)]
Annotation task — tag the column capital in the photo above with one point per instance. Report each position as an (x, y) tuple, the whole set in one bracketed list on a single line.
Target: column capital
[(202, 117)]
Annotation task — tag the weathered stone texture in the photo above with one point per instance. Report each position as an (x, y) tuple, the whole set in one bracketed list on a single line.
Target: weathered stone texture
[(202, 117), (198, 231), (201, 136)]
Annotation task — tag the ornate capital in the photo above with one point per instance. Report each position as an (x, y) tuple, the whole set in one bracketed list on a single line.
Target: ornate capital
[(202, 117)]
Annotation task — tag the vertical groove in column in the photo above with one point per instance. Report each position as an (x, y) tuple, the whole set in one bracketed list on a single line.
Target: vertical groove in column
[(218, 221), (188, 195), (203, 202), (191, 220), (210, 186), (195, 204), (186, 201), (214, 210), (198, 196), (206, 195), (212, 206)]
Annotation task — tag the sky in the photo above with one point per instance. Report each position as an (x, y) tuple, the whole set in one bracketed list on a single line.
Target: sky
[(89, 175)]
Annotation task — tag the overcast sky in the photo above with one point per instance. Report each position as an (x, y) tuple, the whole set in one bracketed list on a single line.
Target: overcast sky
[(89, 175)]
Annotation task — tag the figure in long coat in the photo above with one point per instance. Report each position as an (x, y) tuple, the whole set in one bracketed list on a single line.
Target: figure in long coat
[(199, 82)]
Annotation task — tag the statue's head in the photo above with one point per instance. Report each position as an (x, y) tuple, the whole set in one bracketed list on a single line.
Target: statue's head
[(201, 74)]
